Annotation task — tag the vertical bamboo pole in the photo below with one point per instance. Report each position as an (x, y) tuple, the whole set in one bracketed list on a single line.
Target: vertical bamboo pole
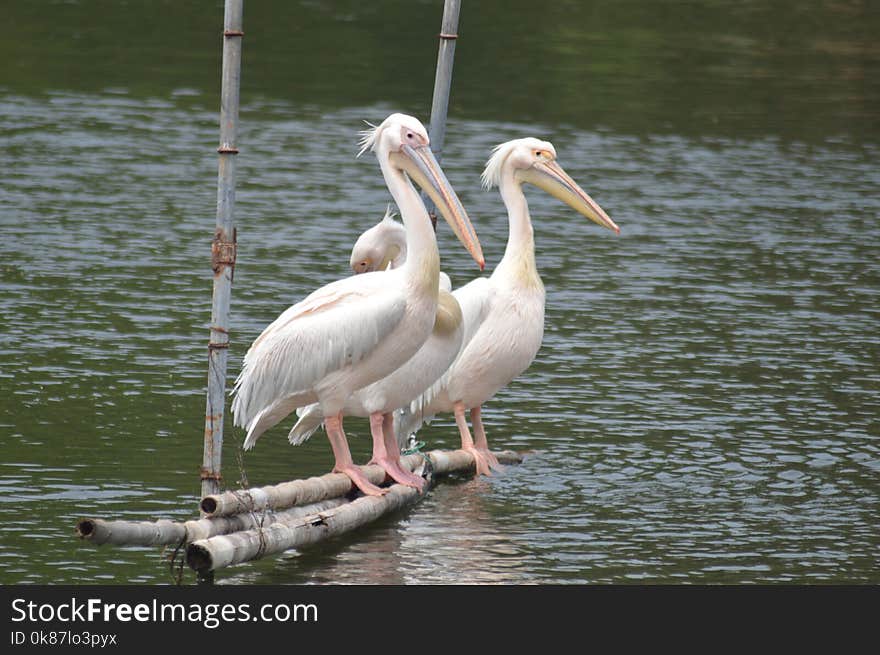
[(223, 247), (442, 82)]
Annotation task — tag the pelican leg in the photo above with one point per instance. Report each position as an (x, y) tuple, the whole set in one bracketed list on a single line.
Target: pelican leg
[(344, 463), (393, 449), (467, 442), (480, 442), (386, 453)]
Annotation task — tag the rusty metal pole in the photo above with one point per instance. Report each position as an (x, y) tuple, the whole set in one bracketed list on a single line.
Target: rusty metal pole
[(223, 248), (442, 83)]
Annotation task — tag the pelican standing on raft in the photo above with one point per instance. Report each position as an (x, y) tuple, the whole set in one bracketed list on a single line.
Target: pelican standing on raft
[(352, 332), (383, 247), (507, 340)]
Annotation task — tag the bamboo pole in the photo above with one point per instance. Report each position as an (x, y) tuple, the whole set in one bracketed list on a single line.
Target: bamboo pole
[(298, 492), (208, 555), (167, 533), (442, 84), (223, 248)]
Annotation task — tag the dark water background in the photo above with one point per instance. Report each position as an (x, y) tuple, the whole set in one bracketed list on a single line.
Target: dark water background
[(705, 405)]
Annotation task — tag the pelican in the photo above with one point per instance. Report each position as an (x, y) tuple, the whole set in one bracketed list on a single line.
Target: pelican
[(510, 301), (383, 247), (352, 332)]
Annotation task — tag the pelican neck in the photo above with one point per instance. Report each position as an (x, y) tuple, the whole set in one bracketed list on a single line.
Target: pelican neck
[(422, 262), (519, 255)]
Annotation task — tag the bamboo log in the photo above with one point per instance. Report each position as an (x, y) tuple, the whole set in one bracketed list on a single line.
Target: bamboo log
[(284, 494), (311, 490), (223, 248), (218, 552), (168, 533), (131, 533), (458, 461)]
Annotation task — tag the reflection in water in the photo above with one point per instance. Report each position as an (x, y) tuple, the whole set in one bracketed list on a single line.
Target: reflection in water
[(459, 537)]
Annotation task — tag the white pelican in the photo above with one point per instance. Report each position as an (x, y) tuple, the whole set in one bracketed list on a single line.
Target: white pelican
[(383, 247), (352, 332), (505, 343)]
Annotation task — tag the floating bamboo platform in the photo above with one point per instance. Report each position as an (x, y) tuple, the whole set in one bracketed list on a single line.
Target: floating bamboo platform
[(246, 524)]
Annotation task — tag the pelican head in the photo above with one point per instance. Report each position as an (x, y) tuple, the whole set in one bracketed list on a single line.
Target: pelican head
[(380, 247), (534, 161), (403, 142)]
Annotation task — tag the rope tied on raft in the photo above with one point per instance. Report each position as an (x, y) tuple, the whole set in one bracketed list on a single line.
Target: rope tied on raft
[(415, 448), (175, 564)]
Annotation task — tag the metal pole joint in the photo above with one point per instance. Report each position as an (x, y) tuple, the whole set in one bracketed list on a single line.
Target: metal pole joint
[(223, 252), (206, 474)]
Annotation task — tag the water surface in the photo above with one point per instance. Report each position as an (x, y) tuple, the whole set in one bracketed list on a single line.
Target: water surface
[(704, 406)]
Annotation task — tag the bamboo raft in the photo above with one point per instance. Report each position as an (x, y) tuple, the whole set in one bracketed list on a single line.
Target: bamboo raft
[(246, 524)]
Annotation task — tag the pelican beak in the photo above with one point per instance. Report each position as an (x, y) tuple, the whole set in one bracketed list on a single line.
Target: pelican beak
[(423, 169), (548, 175), (390, 256)]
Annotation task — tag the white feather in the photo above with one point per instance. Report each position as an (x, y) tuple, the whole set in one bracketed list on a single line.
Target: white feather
[(368, 138), (310, 340), (310, 419)]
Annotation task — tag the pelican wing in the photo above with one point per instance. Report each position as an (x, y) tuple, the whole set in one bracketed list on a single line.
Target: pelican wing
[(310, 420), (336, 326)]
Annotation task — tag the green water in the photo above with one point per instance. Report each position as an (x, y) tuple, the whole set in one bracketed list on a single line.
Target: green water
[(704, 408)]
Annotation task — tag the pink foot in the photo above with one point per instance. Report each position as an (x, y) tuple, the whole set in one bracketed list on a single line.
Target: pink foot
[(398, 473), (386, 452), (360, 480), (492, 461), (481, 460), (480, 443), (344, 463)]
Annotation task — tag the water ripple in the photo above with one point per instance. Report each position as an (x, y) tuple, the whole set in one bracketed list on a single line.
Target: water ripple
[(703, 409)]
